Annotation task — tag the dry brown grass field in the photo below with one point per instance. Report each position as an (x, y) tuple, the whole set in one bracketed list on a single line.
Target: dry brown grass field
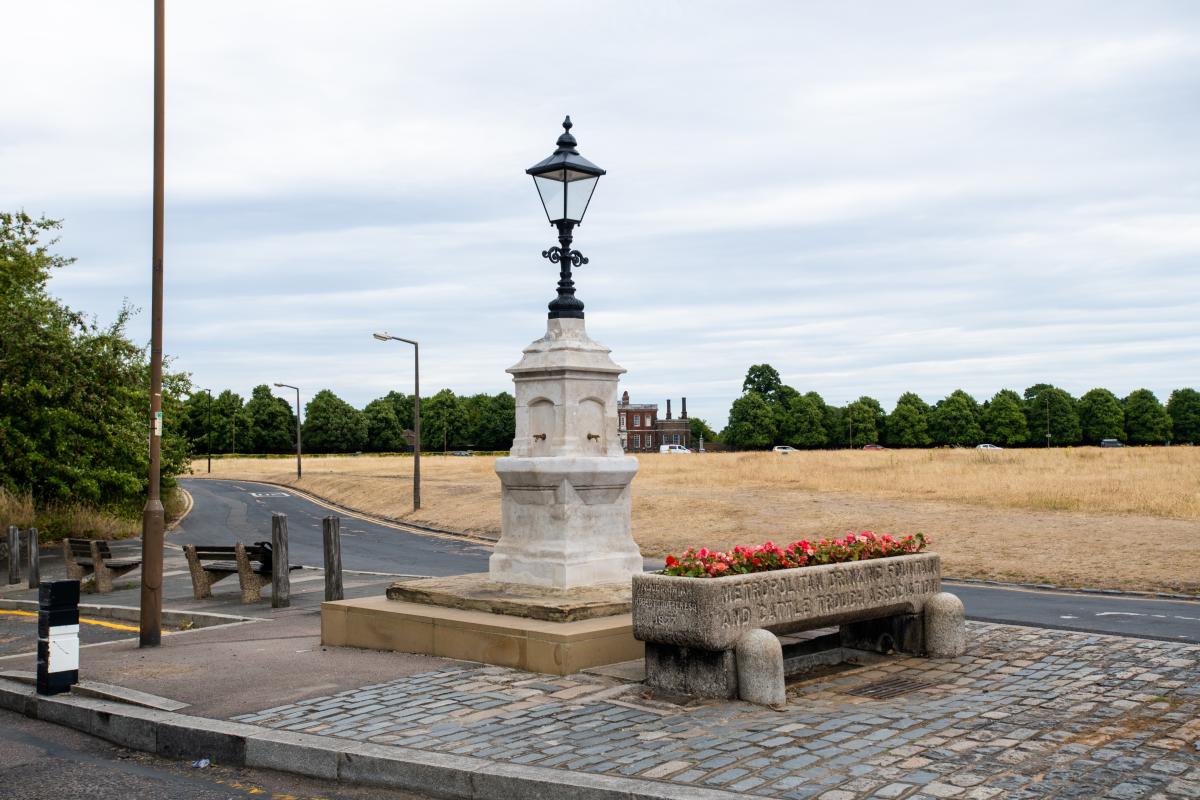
[(1120, 518)]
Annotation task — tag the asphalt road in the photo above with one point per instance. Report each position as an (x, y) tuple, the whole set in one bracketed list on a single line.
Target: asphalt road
[(226, 511), (42, 761)]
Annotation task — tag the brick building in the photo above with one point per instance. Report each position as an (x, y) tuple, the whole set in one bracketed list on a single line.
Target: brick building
[(642, 431)]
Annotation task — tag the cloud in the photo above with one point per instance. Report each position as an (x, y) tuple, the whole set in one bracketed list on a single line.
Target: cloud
[(872, 199)]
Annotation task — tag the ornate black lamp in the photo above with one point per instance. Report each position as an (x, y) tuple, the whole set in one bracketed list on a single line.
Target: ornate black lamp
[(565, 181)]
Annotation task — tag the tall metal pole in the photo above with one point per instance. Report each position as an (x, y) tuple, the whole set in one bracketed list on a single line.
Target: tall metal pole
[(297, 388), (208, 427), (384, 336), (417, 426), (297, 434), (153, 518)]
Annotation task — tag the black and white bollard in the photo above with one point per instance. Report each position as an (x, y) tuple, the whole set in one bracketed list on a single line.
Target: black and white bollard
[(58, 637)]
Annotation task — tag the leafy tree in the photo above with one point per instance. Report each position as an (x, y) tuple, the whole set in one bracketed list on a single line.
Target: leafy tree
[(1101, 416), (1184, 409), (442, 421), (762, 379), (73, 395), (403, 406), (195, 421), (228, 425), (837, 428), (499, 423), (908, 424), (331, 425), (751, 423), (700, 428), (1003, 420), (488, 422), (802, 423), (270, 423), (1146, 421), (384, 434), (863, 416), (955, 420), (1041, 400)]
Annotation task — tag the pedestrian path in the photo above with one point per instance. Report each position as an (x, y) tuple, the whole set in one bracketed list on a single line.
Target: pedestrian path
[(1027, 713)]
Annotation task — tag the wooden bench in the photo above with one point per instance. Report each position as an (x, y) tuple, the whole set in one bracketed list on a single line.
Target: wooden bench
[(92, 555), (252, 564)]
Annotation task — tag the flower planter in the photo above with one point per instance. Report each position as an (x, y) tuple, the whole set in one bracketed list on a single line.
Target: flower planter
[(692, 626), (713, 613)]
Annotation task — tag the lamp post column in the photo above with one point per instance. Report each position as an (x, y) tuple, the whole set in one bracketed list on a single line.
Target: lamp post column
[(208, 427), (153, 517), (417, 426), (297, 434)]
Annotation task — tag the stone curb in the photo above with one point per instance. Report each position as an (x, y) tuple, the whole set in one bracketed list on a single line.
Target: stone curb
[(179, 736), (1050, 587)]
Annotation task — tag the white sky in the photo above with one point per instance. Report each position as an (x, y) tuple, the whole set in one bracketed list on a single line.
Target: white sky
[(871, 197)]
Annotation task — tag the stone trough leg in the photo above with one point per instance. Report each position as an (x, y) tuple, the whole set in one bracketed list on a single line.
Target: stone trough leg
[(690, 670), (945, 626), (760, 669)]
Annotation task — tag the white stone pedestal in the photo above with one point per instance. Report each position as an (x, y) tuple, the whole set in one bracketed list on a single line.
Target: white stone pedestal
[(565, 490)]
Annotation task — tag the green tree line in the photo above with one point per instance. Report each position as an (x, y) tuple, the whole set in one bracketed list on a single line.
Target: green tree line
[(266, 423), (770, 413)]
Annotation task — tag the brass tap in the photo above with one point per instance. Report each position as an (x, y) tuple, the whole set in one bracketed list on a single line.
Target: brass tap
[(593, 436), (540, 436)]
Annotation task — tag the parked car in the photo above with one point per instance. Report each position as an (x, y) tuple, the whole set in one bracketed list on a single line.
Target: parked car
[(783, 449), (673, 448), (1111, 443), (986, 446), (874, 447), (462, 453)]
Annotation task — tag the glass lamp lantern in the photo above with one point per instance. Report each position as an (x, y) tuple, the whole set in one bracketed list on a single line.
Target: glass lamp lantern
[(565, 181)]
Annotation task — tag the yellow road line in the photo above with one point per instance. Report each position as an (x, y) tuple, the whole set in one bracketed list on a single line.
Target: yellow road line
[(116, 626)]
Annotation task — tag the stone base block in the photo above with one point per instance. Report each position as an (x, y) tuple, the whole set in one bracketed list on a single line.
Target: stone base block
[(555, 648), (902, 633), (690, 670), (478, 592)]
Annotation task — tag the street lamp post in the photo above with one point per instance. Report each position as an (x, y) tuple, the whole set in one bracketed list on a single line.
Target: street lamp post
[(289, 386), (153, 516), (384, 336), (565, 182), (208, 426)]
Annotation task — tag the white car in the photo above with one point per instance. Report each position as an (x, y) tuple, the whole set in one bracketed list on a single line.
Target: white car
[(987, 447), (783, 449), (673, 448)]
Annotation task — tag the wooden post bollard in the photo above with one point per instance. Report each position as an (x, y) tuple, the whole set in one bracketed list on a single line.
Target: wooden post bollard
[(281, 582), (33, 551), (14, 554), (331, 529)]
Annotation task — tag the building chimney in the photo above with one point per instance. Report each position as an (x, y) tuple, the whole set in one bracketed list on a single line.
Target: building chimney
[(668, 409), (683, 412)]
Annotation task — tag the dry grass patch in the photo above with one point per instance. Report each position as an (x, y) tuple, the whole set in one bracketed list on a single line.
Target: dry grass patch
[(1126, 518)]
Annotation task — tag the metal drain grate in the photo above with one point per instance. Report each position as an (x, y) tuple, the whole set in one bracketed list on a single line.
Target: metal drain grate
[(892, 687)]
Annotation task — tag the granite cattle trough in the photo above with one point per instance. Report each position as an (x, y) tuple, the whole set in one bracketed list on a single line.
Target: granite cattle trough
[(694, 627)]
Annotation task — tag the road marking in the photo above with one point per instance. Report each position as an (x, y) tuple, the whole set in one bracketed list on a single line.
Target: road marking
[(269, 494), (116, 626)]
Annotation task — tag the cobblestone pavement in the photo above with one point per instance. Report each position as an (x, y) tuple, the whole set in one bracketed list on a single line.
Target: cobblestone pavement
[(1027, 713)]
